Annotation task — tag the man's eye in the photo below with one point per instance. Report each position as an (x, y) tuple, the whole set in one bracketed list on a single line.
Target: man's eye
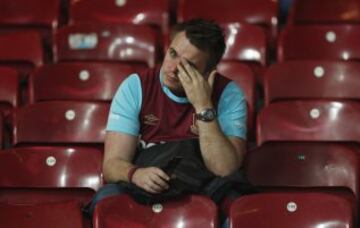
[(172, 53)]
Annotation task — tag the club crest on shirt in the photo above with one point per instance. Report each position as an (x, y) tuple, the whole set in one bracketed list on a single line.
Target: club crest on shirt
[(151, 119)]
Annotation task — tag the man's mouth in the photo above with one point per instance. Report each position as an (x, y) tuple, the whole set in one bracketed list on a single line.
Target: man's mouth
[(173, 77)]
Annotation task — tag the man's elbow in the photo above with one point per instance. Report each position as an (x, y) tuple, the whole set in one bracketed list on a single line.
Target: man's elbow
[(226, 171)]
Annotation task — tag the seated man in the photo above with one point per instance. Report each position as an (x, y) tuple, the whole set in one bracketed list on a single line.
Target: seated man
[(185, 98)]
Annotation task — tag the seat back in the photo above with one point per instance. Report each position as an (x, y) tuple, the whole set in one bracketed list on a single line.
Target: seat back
[(30, 13), (312, 79), (9, 89), (106, 42), (1, 131), (60, 214), (296, 208), (323, 11), (47, 174), (305, 165), (21, 49), (311, 120), (150, 12), (60, 122), (79, 81), (259, 12), (190, 211), (246, 43), (331, 42)]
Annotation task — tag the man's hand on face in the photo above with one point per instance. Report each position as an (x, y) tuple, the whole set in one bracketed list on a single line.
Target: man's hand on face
[(197, 88), (151, 179)]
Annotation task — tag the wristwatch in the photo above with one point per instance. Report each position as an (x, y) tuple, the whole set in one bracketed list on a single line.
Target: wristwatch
[(207, 115)]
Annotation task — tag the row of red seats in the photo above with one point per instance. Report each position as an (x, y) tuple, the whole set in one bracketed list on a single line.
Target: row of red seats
[(21, 13), (138, 45), (83, 81), (92, 82), (128, 43), (157, 13), (67, 122), (53, 181)]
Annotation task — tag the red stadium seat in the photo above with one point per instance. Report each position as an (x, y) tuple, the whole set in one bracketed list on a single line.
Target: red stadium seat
[(296, 210), (259, 12), (31, 15), (60, 122), (21, 49), (1, 131), (314, 165), (246, 43), (311, 120), (245, 79), (56, 215), (149, 12), (331, 42), (33, 175), (105, 42), (324, 11), (307, 79), (9, 90), (123, 212), (82, 81)]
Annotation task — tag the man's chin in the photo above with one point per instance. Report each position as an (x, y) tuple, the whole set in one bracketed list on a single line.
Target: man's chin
[(176, 88)]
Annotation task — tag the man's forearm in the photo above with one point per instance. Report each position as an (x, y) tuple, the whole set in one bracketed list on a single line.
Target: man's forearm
[(219, 154), (116, 170)]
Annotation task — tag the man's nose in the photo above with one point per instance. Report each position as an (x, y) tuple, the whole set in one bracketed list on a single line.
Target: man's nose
[(173, 65)]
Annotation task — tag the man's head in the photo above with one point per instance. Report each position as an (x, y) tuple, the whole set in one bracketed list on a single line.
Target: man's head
[(200, 42)]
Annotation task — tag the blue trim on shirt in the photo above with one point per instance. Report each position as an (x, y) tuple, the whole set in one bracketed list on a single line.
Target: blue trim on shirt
[(167, 91), (232, 111), (125, 107)]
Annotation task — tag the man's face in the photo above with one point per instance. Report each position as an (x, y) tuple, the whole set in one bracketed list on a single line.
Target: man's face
[(181, 48)]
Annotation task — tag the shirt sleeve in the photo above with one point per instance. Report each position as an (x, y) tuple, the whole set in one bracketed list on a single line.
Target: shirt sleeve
[(232, 111), (125, 107)]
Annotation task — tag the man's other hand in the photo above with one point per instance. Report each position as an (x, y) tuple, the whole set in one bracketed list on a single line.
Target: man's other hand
[(151, 179)]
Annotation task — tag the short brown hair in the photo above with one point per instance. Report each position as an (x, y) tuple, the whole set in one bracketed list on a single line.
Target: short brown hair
[(205, 35)]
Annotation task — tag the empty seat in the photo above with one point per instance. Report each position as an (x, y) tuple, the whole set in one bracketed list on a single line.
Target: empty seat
[(21, 49), (106, 42), (29, 13), (311, 120), (34, 175), (324, 11), (332, 42), (121, 212), (313, 165), (245, 79), (297, 210), (1, 131), (60, 122), (82, 81), (57, 215), (246, 43), (150, 12), (259, 12), (9, 90), (307, 79)]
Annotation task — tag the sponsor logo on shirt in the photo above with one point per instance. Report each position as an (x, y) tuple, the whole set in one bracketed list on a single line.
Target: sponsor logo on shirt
[(151, 119)]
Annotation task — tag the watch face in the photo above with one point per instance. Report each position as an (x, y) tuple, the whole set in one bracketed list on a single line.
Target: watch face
[(207, 115)]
